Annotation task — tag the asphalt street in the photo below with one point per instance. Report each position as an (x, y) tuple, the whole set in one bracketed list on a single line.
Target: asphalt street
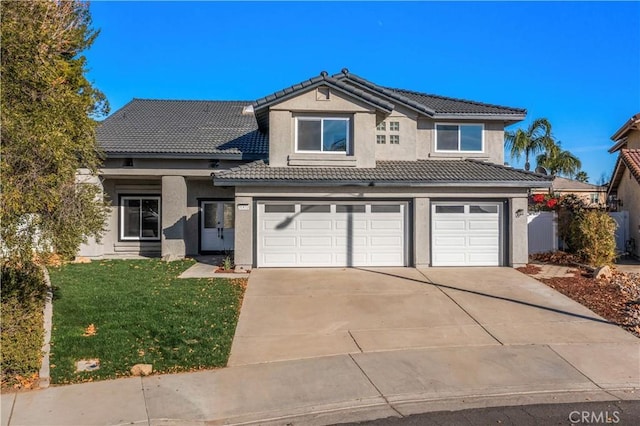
[(584, 413)]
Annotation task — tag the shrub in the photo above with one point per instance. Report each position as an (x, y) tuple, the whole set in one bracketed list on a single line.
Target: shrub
[(592, 237), (23, 294)]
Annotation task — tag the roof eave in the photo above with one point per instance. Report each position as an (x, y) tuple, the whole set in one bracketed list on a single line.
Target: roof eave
[(511, 118), (187, 156), (631, 124), (220, 181)]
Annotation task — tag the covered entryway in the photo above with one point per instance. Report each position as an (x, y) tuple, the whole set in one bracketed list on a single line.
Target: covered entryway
[(331, 234), (217, 223), (466, 234)]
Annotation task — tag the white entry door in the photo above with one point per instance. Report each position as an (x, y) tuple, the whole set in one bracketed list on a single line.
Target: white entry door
[(329, 234), (466, 234), (217, 220)]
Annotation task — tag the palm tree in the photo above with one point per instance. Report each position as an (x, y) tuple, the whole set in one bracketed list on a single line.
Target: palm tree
[(582, 176), (559, 162), (536, 139)]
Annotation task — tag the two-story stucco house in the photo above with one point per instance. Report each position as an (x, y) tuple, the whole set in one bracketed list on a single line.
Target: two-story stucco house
[(624, 188), (333, 171)]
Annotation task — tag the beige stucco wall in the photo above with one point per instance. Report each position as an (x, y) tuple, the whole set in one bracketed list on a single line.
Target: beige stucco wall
[(179, 211), (633, 140), (417, 134), (282, 149), (629, 193), (515, 214)]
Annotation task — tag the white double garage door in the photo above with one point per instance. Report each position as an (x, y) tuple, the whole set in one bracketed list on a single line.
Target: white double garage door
[(338, 234)]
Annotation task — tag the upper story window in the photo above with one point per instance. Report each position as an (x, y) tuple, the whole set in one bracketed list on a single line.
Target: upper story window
[(394, 139), (394, 126), (381, 127), (314, 134), (381, 139), (459, 137)]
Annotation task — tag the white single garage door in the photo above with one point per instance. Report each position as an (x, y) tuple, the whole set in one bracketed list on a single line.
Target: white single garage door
[(466, 234), (331, 234)]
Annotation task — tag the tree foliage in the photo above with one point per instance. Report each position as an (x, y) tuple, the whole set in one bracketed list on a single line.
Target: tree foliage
[(537, 138), (558, 161), (582, 176), (48, 129)]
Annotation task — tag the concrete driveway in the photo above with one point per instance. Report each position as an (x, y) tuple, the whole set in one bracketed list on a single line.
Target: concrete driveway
[(305, 313)]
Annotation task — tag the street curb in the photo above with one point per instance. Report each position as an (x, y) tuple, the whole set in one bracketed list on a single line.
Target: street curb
[(44, 373)]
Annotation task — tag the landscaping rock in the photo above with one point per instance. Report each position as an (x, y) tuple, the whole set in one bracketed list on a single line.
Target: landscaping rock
[(87, 365), (142, 369), (603, 272)]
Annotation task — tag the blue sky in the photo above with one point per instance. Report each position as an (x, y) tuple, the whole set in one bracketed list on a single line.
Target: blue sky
[(575, 63)]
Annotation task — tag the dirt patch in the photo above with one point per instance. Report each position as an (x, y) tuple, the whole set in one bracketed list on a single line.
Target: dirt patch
[(616, 299)]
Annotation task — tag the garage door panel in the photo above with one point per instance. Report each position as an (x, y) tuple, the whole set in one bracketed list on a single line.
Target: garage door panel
[(315, 259), (268, 224), (483, 242), (386, 259), (395, 225), (355, 241), (355, 224), (316, 241), (315, 224), (319, 235), (482, 224), (450, 241), (449, 224), (386, 242), (284, 259), (466, 234), (279, 241)]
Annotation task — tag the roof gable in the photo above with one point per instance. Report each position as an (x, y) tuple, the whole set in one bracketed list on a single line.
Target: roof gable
[(619, 137), (261, 106), (630, 159)]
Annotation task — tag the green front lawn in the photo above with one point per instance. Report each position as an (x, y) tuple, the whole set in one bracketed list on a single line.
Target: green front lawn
[(142, 313)]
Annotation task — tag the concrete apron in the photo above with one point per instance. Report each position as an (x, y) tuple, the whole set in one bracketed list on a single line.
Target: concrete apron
[(304, 313)]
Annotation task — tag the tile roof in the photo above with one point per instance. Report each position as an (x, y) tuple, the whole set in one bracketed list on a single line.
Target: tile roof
[(563, 184), (631, 159), (151, 126), (418, 173), (434, 105)]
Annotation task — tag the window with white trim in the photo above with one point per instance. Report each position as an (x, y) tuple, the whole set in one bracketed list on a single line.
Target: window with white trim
[(381, 127), (394, 139), (381, 139), (314, 134), (394, 126), (459, 137), (140, 217)]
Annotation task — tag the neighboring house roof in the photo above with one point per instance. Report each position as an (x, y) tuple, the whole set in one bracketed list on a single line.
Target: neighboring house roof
[(386, 173), (183, 128), (570, 185), (620, 136), (386, 98), (629, 158)]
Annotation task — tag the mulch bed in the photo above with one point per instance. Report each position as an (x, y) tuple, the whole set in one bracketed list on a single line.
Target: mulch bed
[(617, 299)]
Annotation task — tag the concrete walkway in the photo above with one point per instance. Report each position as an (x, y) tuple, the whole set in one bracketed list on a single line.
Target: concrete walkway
[(343, 388), (535, 346)]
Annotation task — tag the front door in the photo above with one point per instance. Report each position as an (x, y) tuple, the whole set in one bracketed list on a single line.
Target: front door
[(217, 225)]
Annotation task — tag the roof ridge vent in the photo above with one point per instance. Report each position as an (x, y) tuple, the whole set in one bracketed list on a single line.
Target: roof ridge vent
[(247, 110)]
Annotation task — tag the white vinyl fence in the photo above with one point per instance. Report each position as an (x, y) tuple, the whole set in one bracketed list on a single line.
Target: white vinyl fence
[(543, 231)]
